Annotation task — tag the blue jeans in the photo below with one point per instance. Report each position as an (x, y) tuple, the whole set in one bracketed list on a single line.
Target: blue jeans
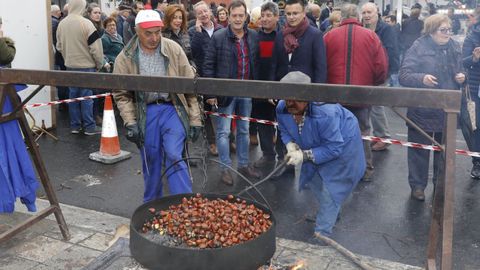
[(328, 210), (242, 107), (164, 139), (83, 110)]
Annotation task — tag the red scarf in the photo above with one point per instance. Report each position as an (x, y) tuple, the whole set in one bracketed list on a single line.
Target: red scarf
[(292, 34)]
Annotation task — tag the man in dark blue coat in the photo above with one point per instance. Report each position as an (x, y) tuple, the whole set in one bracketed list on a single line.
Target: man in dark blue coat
[(325, 139), (233, 54)]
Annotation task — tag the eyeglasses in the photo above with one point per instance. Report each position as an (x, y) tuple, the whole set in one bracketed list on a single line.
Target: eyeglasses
[(445, 30)]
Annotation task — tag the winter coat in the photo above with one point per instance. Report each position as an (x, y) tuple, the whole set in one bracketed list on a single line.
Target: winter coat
[(221, 57), (443, 62), (386, 33), (368, 61), (78, 40), (411, 30), (309, 57), (199, 42), (182, 39), (132, 105), (17, 176), (325, 14), (111, 46), (333, 135), (7, 51), (473, 69)]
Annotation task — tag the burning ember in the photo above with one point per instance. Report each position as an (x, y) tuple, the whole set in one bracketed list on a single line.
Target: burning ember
[(203, 223), (297, 266)]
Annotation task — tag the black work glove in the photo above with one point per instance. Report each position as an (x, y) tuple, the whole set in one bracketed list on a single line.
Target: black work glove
[(195, 132), (133, 134)]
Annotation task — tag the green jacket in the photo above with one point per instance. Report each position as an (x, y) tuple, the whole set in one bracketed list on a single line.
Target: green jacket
[(111, 47), (7, 51), (131, 104)]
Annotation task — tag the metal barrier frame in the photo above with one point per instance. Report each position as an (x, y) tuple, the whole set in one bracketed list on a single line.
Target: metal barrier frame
[(441, 227)]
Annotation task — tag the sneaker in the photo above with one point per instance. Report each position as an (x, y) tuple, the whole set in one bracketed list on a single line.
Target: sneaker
[(95, 131), (418, 194), (76, 130), (475, 173)]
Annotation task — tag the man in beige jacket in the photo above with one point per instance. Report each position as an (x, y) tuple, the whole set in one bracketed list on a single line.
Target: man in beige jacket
[(81, 47), (157, 122)]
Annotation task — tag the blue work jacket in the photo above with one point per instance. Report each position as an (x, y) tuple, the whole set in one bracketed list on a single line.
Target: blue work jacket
[(17, 176), (333, 135)]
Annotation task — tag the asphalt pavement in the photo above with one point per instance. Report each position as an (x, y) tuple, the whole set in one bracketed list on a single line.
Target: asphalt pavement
[(378, 220)]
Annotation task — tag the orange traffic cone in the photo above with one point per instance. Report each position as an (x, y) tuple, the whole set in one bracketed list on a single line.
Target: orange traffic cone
[(110, 151)]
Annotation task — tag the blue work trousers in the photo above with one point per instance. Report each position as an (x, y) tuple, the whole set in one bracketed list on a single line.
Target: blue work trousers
[(164, 139), (81, 111), (242, 107), (328, 210)]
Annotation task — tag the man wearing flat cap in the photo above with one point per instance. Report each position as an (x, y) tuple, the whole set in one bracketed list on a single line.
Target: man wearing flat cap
[(157, 122), (325, 139)]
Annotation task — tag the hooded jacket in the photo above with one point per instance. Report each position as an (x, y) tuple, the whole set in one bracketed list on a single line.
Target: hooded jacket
[(78, 40), (132, 105)]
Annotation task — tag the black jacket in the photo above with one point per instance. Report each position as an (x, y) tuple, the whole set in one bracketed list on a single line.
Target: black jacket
[(473, 69), (386, 33), (411, 30), (199, 42), (221, 57)]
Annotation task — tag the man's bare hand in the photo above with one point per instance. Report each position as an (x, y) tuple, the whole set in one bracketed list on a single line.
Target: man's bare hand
[(476, 54), (430, 80), (460, 78), (198, 25)]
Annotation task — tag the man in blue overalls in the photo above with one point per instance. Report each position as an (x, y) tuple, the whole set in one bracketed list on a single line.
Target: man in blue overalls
[(326, 138), (157, 121)]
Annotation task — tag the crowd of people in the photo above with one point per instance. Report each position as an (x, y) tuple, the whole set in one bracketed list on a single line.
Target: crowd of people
[(292, 42)]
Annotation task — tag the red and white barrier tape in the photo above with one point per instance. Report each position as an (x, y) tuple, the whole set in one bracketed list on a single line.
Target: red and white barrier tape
[(367, 138), (34, 105)]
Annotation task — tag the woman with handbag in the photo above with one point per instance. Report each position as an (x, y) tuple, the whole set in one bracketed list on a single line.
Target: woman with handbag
[(433, 62), (471, 57)]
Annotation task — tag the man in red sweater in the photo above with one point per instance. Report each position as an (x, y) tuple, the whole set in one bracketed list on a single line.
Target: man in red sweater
[(355, 56)]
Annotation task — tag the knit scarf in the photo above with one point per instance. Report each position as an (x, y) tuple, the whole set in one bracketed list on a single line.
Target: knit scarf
[(292, 34)]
